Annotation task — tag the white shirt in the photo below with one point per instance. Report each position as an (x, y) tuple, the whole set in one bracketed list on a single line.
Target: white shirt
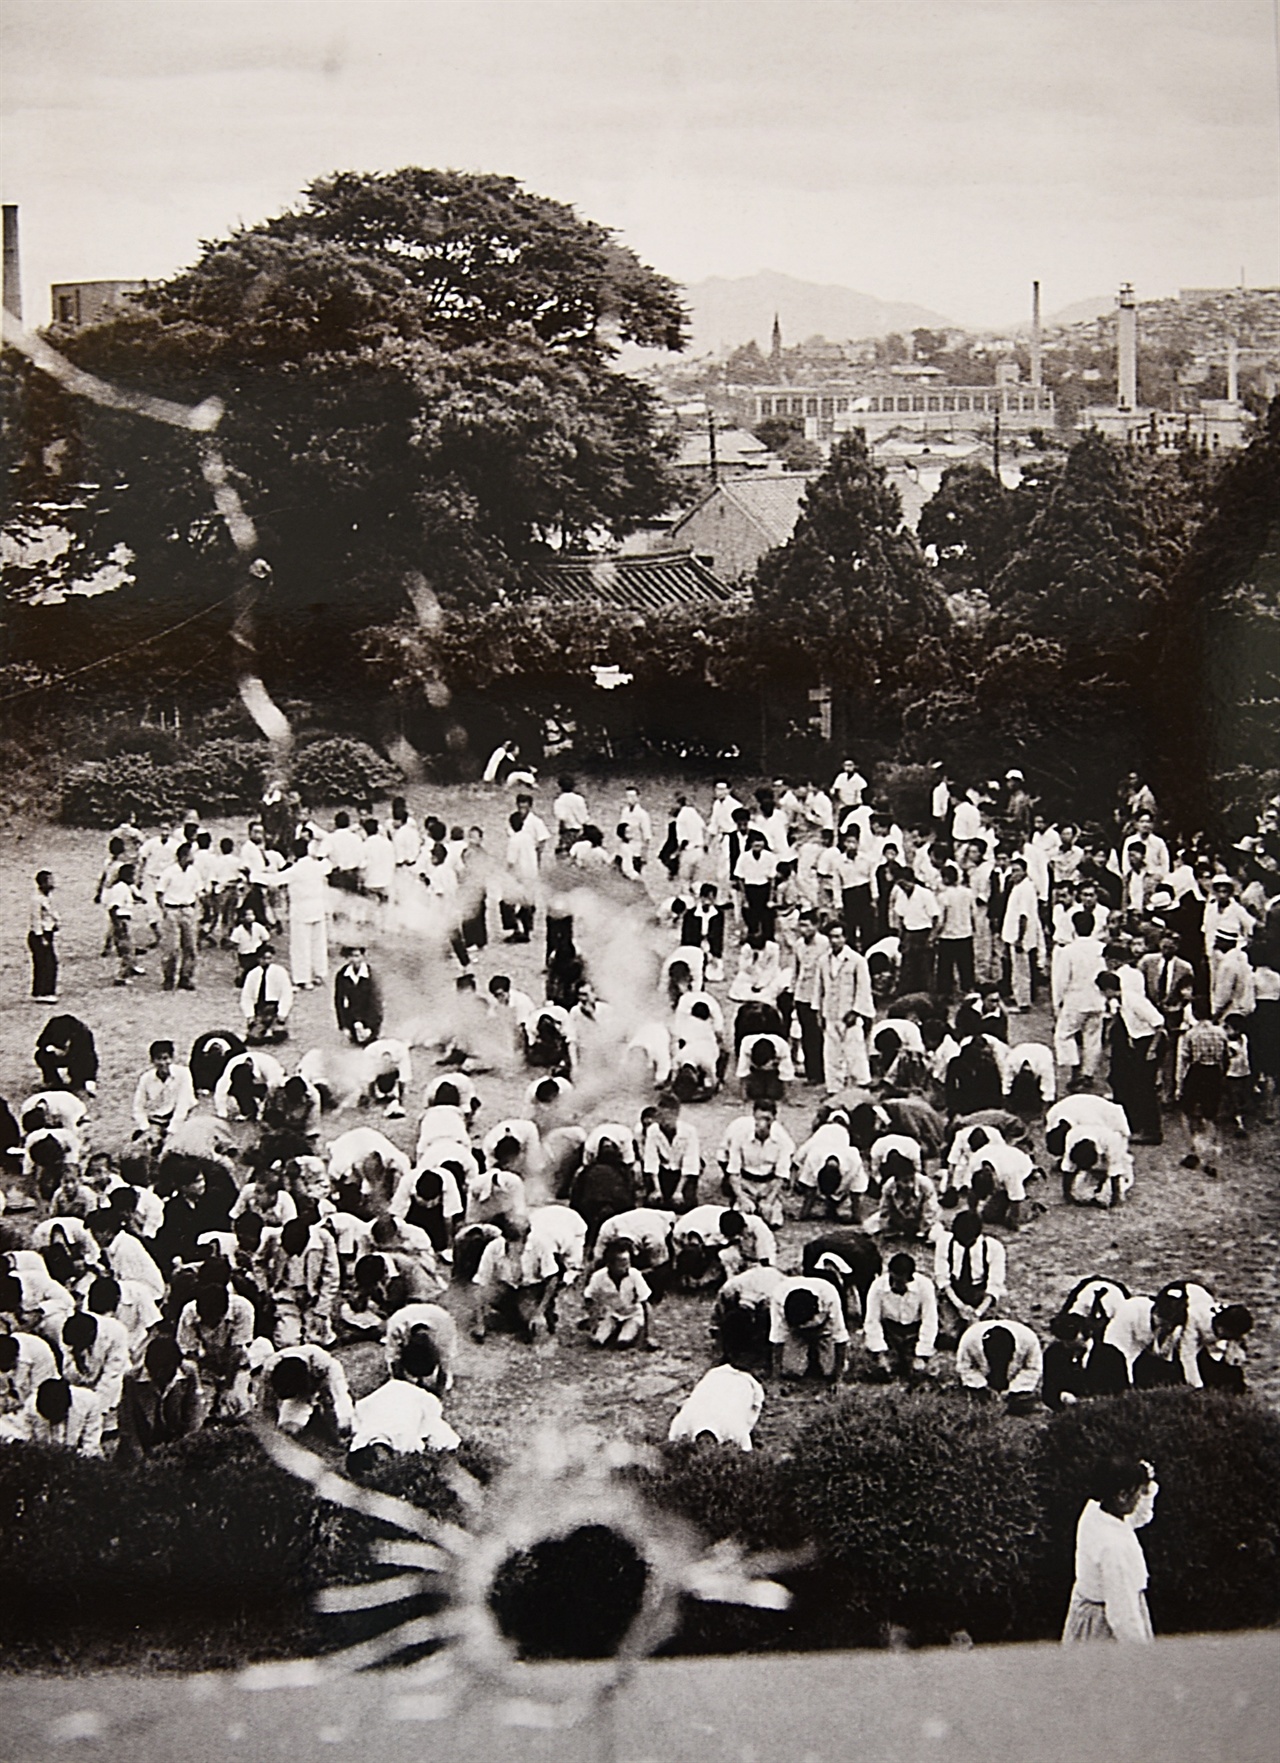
[(742, 1153), (725, 1402), (919, 1303), (1024, 1367), (267, 985), (378, 863), (403, 1417), (307, 881)]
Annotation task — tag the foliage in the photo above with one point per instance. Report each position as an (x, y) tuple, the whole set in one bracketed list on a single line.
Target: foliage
[(1092, 567), (1218, 646), (928, 1515), (848, 597), (216, 776), (968, 521), (338, 769), (925, 1512), (417, 365)]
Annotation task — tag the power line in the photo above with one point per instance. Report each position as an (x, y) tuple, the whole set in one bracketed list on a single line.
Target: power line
[(118, 654)]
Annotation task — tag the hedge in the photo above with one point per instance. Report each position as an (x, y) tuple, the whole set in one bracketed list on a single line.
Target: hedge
[(924, 1515), (218, 777)]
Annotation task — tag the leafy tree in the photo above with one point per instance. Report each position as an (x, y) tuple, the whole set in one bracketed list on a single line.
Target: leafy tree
[(970, 522), (777, 433), (849, 595), (1213, 678), (418, 372), (1094, 563)]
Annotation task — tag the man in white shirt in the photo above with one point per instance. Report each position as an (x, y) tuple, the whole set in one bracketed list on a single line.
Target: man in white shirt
[(720, 825), (913, 916), (516, 1282), (59, 1414), (901, 1327), (266, 998), (401, 1419), (847, 786), (844, 1002), (691, 840), (1021, 931), (342, 850), (671, 1157), (723, 1407), (638, 824), (306, 880), (756, 1155), (808, 1334), (1000, 1359), (1227, 929), (179, 892), (164, 1095), (377, 863), (1155, 852), (1077, 1028)]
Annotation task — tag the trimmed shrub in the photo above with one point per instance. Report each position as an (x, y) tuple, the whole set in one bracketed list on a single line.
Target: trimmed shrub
[(98, 792), (223, 774), (1213, 1548), (337, 769), (926, 1512)]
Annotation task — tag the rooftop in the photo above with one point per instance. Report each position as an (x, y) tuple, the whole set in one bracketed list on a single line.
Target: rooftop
[(658, 583)]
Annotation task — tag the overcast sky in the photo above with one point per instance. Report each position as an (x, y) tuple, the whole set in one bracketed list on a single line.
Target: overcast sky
[(942, 151)]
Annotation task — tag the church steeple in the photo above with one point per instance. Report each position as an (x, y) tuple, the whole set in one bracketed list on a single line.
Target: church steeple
[(775, 349)]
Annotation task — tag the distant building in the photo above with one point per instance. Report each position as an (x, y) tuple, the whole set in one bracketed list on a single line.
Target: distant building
[(661, 583), (1216, 422), (737, 451), (76, 304), (912, 401), (736, 523)]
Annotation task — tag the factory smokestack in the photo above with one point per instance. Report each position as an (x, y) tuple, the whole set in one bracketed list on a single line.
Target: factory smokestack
[(1127, 350), (12, 263), (1233, 370), (1037, 359)]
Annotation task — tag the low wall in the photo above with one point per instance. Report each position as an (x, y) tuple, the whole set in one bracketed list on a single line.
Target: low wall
[(1205, 1700)]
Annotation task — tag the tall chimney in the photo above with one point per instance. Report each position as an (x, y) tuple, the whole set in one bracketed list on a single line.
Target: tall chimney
[(1233, 370), (12, 263), (1127, 350), (1037, 362)]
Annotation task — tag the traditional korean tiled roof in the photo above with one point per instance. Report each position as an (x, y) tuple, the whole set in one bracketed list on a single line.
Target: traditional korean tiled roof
[(656, 583)]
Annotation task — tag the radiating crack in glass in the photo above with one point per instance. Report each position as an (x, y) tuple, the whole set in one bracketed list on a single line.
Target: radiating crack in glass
[(565, 1484)]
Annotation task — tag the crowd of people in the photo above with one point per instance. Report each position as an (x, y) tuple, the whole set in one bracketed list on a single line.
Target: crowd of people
[(873, 997)]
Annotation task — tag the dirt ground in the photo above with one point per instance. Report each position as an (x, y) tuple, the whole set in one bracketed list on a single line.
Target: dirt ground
[(1177, 1224)]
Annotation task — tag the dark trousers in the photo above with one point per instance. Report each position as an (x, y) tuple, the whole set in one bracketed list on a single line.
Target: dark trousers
[(955, 965), (44, 964), (858, 914), (811, 1043), (917, 961), (757, 913)]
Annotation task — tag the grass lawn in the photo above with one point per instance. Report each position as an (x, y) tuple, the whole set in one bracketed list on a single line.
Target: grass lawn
[(1178, 1224)]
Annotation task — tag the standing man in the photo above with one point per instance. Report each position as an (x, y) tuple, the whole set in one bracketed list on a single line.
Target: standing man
[(638, 824), (720, 825), (307, 882), (844, 1002), (1021, 930), (690, 840), (179, 892), (40, 940), (810, 946)]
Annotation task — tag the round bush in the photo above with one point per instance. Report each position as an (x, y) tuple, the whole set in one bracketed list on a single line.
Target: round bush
[(926, 1513), (338, 769), (100, 791)]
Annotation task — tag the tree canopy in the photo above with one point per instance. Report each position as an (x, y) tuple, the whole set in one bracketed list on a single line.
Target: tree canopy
[(418, 373)]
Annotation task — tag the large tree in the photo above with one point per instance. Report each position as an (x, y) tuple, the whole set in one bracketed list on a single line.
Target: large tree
[(1094, 563), (419, 375), (849, 597)]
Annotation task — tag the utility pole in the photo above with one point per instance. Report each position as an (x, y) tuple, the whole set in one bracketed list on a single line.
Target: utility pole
[(711, 447), (995, 447)]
